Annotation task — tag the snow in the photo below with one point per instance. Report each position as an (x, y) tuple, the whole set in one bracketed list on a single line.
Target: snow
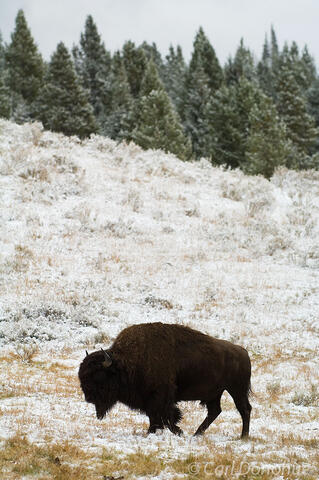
[(95, 236)]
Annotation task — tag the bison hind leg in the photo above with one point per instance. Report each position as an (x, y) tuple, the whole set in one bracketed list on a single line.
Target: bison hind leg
[(241, 398), (244, 408), (213, 410)]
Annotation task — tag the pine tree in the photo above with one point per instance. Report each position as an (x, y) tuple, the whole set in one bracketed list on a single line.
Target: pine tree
[(152, 53), (118, 121), (5, 95), (267, 69), (25, 66), (203, 78), (274, 51), (224, 134), (267, 145), (195, 119), (63, 104), (309, 67), (243, 65), (292, 107), (2, 54), (229, 113), (135, 61), (174, 76), (313, 109), (302, 67), (93, 63), (264, 68), (204, 56), (158, 125)]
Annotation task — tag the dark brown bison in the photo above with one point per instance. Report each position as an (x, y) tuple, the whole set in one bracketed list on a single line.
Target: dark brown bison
[(151, 367)]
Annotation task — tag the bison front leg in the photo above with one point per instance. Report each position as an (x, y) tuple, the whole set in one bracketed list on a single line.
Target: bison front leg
[(154, 413), (175, 416), (163, 412), (155, 424), (166, 420)]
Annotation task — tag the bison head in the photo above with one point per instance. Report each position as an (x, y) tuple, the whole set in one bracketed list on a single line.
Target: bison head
[(99, 381)]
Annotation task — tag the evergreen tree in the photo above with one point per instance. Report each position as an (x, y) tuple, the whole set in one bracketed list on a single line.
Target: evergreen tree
[(203, 78), (292, 107), (224, 134), (118, 121), (2, 54), (204, 57), (158, 125), (267, 145), (243, 65), (267, 69), (274, 51), (25, 66), (174, 76), (93, 64), (152, 53), (63, 103), (195, 119), (5, 96), (309, 67), (135, 61), (313, 109), (264, 69), (302, 67), (230, 115)]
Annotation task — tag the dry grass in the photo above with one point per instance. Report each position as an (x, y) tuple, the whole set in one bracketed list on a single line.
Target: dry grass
[(91, 248), (20, 458), (51, 458), (60, 461)]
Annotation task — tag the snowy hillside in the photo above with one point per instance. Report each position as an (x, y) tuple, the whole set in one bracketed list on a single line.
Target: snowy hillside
[(95, 236)]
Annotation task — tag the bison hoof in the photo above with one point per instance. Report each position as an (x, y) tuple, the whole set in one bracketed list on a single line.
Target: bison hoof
[(153, 428)]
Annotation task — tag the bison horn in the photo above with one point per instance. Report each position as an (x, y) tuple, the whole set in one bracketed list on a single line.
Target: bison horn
[(86, 353), (107, 359)]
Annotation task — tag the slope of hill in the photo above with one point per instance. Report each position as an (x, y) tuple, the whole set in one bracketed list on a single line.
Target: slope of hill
[(95, 236)]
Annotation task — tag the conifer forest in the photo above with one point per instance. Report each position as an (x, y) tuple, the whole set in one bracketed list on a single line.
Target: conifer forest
[(253, 114)]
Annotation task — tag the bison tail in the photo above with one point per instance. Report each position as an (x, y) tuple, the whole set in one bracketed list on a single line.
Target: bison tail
[(250, 392)]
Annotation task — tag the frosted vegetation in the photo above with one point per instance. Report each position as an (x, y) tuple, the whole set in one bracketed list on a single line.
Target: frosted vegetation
[(253, 114), (95, 236)]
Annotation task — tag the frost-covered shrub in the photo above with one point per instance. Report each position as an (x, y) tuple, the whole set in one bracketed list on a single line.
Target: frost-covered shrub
[(158, 302), (134, 200), (307, 399), (22, 258), (34, 132), (231, 190), (193, 211), (26, 351), (273, 388), (120, 228)]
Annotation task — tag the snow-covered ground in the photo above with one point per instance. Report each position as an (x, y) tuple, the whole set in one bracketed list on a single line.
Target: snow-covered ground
[(95, 236)]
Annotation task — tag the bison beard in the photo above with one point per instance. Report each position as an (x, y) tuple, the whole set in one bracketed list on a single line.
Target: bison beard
[(151, 367)]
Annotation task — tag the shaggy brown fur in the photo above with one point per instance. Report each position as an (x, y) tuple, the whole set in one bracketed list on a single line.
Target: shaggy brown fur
[(156, 365)]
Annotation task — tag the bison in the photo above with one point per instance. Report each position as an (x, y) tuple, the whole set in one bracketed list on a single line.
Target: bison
[(153, 366)]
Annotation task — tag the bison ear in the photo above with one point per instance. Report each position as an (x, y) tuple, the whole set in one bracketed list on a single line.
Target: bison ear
[(107, 362)]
